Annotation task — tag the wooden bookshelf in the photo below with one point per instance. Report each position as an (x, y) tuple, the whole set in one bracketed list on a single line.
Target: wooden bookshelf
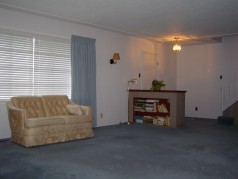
[(164, 107)]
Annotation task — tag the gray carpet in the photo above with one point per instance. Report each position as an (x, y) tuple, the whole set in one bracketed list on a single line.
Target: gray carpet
[(200, 150)]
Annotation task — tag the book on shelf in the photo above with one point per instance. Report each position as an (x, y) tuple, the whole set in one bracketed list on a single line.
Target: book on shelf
[(162, 108), (141, 109), (141, 100), (149, 109), (139, 104), (155, 121), (148, 120), (138, 117), (139, 121), (149, 104), (148, 117), (146, 108), (146, 100), (167, 121), (152, 100), (143, 119), (162, 121)]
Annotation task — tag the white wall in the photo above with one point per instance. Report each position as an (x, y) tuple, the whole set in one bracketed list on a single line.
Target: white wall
[(167, 66), (198, 72), (4, 124), (111, 79)]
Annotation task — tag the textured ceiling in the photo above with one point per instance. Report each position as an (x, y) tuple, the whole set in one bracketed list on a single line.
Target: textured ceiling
[(196, 21)]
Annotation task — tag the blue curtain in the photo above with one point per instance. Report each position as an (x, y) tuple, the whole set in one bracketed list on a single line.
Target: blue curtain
[(83, 66)]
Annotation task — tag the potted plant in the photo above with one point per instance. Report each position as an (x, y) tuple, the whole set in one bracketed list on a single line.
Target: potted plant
[(157, 85)]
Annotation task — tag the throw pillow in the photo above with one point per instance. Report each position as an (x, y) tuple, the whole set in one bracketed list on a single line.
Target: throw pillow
[(74, 109)]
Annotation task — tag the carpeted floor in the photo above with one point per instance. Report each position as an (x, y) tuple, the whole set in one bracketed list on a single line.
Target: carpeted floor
[(200, 150)]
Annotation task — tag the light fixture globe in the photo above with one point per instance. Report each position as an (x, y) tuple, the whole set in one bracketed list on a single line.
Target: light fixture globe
[(176, 47)]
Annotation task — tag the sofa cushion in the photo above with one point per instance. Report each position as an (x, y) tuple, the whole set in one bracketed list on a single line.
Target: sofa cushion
[(32, 104), (45, 121), (45, 130), (55, 105), (73, 119), (74, 109)]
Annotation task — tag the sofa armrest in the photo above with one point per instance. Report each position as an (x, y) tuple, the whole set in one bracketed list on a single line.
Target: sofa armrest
[(17, 118), (86, 109)]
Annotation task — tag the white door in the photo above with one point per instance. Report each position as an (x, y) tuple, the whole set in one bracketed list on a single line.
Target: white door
[(149, 69)]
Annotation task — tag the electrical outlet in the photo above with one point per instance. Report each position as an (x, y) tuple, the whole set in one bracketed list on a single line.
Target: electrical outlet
[(196, 108), (101, 115)]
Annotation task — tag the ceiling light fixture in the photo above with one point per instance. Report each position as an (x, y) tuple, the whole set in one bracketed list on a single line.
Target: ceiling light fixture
[(176, 47)]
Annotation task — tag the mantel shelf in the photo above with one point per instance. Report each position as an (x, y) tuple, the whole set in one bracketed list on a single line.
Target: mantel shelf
[(160, 91)]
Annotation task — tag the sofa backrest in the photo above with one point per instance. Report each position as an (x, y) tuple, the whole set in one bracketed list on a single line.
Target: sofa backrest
[(32, 104), (55, 105)]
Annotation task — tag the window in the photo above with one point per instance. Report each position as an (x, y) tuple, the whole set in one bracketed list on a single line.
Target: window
[(33, 66), (52, 68)]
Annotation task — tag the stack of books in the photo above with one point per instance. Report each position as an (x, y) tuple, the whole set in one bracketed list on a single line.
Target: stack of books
[(150, 107), (138, 119), (148, 120), (139, 106), (152, 100), (161, 121)]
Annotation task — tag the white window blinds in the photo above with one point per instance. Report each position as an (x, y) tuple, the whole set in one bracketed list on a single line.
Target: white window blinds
[(52, 69), (30, 66), (15, 66)]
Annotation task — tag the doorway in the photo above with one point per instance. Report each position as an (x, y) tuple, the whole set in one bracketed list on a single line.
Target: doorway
[(149, 69)]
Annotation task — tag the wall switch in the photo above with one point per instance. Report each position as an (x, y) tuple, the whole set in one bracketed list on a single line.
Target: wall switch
[(220, 77), (196, 108), (101, 115)]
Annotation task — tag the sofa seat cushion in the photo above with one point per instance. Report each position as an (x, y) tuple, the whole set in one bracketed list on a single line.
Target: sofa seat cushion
[(45, 121), (55, 105), (72, 119), (32, 104)]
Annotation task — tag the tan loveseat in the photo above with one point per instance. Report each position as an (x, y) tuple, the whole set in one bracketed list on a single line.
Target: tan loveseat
[(48, 119)]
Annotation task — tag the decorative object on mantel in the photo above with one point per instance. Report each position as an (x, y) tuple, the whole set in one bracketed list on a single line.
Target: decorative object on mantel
[(115, 58), (176, 47), (157, 85), (132, 81)]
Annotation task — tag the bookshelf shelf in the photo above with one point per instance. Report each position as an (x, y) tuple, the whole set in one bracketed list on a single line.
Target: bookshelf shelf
[(151, 110), (164, 108)]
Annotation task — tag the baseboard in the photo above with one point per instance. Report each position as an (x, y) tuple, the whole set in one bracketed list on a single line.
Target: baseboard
[(4, 140)]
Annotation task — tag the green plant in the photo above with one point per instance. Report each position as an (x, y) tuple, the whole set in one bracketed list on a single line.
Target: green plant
[(157, 85)]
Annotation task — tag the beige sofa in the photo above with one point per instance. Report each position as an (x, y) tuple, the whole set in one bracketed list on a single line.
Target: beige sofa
[(48, 119)]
